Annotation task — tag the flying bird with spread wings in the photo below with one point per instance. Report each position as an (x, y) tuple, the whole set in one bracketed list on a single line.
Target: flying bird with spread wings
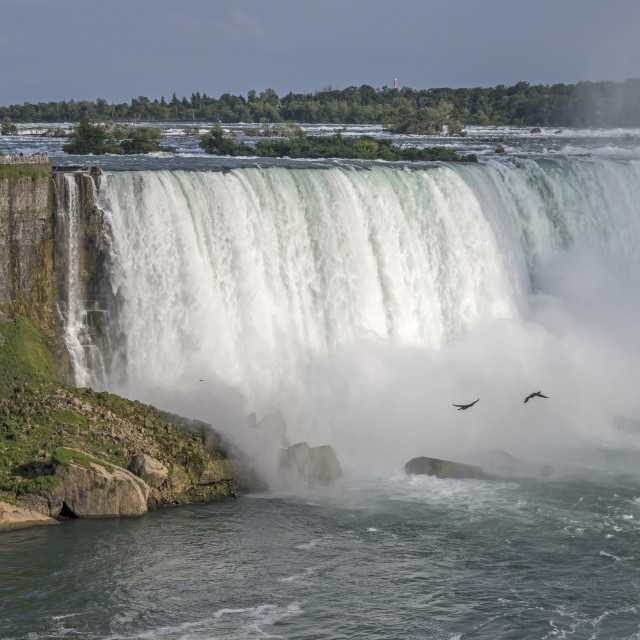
[(463, 407), (537, 394)]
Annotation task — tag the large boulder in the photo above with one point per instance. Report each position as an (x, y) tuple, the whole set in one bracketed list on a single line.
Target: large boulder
[(311, 465), (152, 471), (178, 481), (95, 491), (442, 468)]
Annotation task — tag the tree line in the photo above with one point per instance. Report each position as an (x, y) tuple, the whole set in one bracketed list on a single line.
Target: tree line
[(585, 104)]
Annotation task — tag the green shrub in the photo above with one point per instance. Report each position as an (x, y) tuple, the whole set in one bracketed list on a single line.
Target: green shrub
[(21, 487), (11, 172), (8, 128), (65, 457)]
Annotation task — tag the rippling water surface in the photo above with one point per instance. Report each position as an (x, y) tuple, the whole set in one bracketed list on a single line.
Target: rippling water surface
[(387, 557)]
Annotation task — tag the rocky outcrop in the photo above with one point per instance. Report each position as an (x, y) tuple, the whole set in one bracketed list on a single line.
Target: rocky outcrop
[(203, 479), (95, 492), (103, 490), (152, 471), (442, 468), (310, 465), (119, 457), (15, 517)]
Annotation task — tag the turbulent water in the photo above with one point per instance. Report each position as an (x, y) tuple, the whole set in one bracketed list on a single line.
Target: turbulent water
[(362, 300)]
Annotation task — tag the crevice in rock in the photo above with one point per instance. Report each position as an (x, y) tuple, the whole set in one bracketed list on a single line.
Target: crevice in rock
[(66, 513)]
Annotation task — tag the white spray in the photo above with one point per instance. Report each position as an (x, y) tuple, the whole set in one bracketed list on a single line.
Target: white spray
[(363, 303)]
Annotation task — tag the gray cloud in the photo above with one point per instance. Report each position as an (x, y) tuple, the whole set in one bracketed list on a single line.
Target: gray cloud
[(81, 49)]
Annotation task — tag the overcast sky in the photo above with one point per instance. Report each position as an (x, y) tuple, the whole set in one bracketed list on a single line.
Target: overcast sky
[(119, 49)]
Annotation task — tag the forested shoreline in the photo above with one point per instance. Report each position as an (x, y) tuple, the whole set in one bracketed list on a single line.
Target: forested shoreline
[(585, 104)]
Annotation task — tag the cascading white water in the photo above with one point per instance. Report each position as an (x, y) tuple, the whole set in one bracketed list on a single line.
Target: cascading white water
[(363, 302), (87, 363)]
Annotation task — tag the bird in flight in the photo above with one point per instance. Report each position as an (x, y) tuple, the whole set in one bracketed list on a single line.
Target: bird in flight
[(462, 407), (539, 394)]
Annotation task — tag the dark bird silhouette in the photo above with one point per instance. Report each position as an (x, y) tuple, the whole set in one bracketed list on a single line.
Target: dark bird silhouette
[(538, 394), (462, 407)]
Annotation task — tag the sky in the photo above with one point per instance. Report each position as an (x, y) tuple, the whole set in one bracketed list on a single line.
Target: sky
[(121, 49)]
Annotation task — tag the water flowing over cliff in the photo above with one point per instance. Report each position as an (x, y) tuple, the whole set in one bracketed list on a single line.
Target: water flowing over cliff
[(363, 301)]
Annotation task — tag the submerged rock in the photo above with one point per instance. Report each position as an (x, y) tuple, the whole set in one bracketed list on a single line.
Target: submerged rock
[(312, 465), (442, 468)]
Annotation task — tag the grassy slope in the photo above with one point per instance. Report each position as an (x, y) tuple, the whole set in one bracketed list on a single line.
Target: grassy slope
[(9, 171), (42, 418)]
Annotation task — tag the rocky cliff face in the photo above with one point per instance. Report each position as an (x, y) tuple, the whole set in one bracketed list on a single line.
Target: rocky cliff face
[(37, 221), (27, 282), (26, 251)]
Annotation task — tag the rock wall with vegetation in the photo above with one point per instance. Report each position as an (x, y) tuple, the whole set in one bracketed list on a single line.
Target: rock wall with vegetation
[(25, 247), (70, 452), (73, 452), (27, 279)]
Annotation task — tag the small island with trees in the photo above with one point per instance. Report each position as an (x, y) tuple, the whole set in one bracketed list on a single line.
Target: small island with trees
[(98, 139), (299, 145)]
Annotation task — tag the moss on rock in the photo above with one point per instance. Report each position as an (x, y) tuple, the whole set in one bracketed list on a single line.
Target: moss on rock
[(46, 424)]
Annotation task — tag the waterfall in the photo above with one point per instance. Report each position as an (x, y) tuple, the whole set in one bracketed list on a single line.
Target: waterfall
[(320, 290), (86, 356)]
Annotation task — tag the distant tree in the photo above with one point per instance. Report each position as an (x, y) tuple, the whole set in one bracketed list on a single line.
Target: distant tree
[(144, 140), (8, 128), (269, 96), (87, 138), (216, 143)]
